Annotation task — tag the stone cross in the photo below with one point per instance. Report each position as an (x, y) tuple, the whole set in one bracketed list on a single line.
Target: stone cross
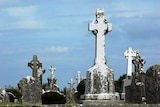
[(100, 27), (52, 70), (129, 54), (79, 77), (138, 63), (71, 83), (35, 65)]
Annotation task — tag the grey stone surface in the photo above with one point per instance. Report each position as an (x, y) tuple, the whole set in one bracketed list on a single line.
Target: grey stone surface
[(153, 85), (31, 89), (100, 78), (35, 65), (52, 94), (135, 93), (52, 86)]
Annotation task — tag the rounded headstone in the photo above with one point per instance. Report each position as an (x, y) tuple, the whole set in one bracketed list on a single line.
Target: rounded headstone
[(152, 84)]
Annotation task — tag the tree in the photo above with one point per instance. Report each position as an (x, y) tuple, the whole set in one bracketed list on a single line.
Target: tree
[(14, 91), (118, 83)]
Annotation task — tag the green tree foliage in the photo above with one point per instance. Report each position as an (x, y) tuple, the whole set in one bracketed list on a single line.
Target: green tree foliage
[(118, 83), (14, 91)]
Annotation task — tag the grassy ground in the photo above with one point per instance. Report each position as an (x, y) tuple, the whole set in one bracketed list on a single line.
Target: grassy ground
[(19, 104)]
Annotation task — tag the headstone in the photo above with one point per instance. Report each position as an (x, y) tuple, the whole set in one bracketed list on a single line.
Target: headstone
[(129, 54), (152, 85), (70, 91), (52, 94), (52, 86), (31, 86), (79, 78), (30, 89), (100, 78), (135, 93)]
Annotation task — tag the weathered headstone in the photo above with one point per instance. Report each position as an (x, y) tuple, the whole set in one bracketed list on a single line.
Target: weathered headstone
[(70, 91), (52, 94), (135, 93), (31, 86), (129, 55), (152, 85), (52, 86), (31, 89), (100, 78)]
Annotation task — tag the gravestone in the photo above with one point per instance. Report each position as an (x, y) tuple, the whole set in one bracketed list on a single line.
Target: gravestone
[(152, 85), (79, 77), (52, 86), (100, 77), (135, 93), (52, 94), (31, 90), (31, 86), (70, 91), (129, 55)]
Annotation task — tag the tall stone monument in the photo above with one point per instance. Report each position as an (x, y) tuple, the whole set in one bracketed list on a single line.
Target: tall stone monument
[(100, 78), (129, 55)]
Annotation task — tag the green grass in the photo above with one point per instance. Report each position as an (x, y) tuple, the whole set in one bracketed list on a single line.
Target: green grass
[(19, 104)]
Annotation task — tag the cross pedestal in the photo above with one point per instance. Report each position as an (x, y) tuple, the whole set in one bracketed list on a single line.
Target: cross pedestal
[(129, 54), (35, 65), (100, 78)]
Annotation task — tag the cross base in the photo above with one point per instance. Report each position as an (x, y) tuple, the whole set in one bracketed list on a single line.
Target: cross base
[(102, 96), (99, 82)]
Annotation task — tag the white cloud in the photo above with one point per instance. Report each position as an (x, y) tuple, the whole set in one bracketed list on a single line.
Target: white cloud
[(22, 11), (25, 17), (29, 23), (56, 49)]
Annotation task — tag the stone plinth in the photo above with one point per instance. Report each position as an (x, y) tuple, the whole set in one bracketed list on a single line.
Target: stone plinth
[(100, 83)]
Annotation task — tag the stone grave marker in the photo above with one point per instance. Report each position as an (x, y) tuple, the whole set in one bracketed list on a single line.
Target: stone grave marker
[(31, 86), (35, 65), (100, 78), (152, 85), (129, 54), (70, 91), (135, 93), (52, 94), (79, 77)]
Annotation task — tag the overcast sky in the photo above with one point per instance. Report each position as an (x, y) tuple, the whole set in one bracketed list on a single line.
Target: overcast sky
[(57, 32)]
